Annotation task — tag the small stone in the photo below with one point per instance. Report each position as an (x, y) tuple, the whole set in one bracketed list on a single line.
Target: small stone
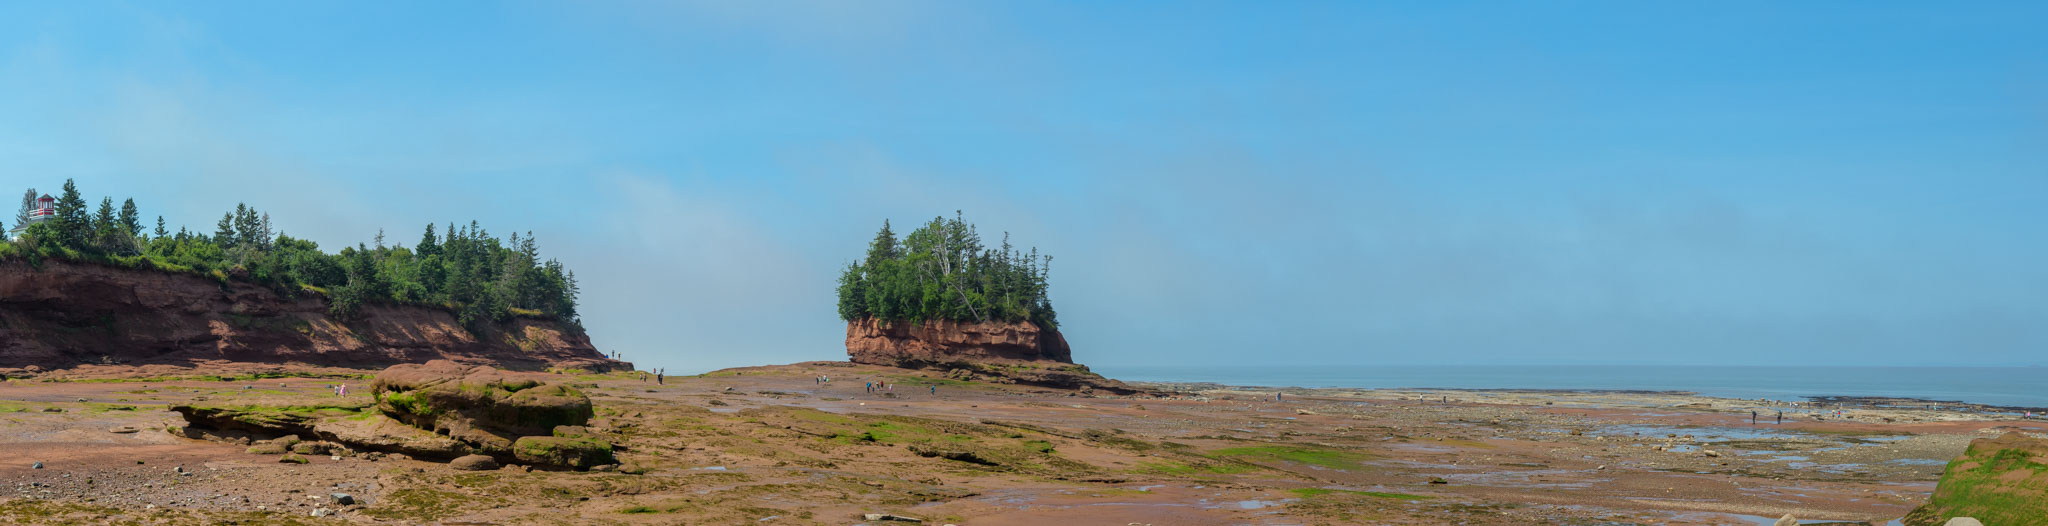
[(1712, 453), (1963, 521), (291, 459), (320, 512), (1438, 480), (341, 499), (37, 465), (1785, 520), (888, 517)]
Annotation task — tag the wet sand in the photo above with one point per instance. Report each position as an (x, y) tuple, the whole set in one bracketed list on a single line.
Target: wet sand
[(770, 445)]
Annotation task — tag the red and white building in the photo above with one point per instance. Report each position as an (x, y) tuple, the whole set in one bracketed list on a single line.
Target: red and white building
[(46, 208)]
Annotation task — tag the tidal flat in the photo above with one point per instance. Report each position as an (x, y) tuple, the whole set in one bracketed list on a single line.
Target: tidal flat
[(776, 445)]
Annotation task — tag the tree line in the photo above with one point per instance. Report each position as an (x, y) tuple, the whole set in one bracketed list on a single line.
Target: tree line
[(941, 271), (478, 277)]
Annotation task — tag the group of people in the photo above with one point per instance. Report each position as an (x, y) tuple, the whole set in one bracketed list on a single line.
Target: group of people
[(881, 387), (658, 375)]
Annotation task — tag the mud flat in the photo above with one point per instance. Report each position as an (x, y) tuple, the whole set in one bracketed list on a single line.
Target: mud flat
[(774, 445)]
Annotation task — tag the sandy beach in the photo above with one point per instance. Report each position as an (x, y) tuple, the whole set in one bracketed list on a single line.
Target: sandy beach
[(775, 445)]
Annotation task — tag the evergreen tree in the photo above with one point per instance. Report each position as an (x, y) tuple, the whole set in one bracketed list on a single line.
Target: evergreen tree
[(131, 220), (941, 271), (428, 244), (224, 234), (247, 226), (104, 221), (73, 227), (160, 232), (28, 207)]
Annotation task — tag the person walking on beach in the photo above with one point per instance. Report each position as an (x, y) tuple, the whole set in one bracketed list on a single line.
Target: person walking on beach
[(1781, 418), (1752, 418), (935, 390), (658, 376)]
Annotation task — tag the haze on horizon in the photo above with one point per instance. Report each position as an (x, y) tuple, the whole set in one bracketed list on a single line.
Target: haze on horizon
[(1220, 183)]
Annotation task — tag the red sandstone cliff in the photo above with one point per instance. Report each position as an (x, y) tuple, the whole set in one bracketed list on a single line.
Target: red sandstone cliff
[(876, 342), (1003, 352), (68, 314)]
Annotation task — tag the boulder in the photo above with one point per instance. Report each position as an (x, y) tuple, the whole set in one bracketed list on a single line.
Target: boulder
[(481, 406), (563, 452), (473, 463), (1962, 521), (1787, 520)]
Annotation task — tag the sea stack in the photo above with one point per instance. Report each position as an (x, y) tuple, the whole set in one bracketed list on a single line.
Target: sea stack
[(938, 299)]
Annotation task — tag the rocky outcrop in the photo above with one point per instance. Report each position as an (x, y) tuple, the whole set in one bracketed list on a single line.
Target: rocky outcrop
[(2000, 480), (483, 407), (67, 314), (1001, 352), (905, 344), (439, 410)]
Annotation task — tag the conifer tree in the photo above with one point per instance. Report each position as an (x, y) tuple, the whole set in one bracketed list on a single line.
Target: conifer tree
[(28, 207), (131, 219), (72, 225)]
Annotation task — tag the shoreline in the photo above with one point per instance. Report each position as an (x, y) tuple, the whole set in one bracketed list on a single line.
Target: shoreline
[(1897, 408)]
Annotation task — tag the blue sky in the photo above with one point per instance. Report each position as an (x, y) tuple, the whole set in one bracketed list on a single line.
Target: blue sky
[(1221, 183)]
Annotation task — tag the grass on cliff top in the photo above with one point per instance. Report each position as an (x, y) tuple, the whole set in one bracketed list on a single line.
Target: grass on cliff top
[(2002, 486)]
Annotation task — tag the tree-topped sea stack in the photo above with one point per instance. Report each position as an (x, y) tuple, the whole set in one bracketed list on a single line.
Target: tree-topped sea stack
[(939, 299)]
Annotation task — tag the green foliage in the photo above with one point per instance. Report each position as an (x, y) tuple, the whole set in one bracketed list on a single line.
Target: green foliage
[(479, 278), (941, 271), (1997, 481), (1327, 458)]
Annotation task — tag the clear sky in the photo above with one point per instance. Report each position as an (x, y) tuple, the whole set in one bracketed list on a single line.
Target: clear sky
[(1221, 183)]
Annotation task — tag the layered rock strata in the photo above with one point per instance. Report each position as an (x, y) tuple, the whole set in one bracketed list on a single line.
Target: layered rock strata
[(67, 314), (1004, 352)]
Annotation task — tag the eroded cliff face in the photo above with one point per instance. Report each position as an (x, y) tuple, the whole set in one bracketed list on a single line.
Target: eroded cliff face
[(1001, 352), (906, 344), (67, 314)]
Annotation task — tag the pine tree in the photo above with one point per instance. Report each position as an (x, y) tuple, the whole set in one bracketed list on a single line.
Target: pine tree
[(103, 221), (428, 245), (247, 226), (131, 220), (73, 226), (224, 234), (265, 237), (28, 207), (160, 232)]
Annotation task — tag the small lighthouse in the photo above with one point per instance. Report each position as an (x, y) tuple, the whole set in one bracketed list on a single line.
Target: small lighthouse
[(46, 208)]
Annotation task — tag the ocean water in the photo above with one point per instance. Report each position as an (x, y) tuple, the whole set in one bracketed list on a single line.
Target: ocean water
[(2005, 386)]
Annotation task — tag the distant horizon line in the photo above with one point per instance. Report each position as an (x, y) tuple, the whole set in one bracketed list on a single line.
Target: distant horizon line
[(1860, 366)]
